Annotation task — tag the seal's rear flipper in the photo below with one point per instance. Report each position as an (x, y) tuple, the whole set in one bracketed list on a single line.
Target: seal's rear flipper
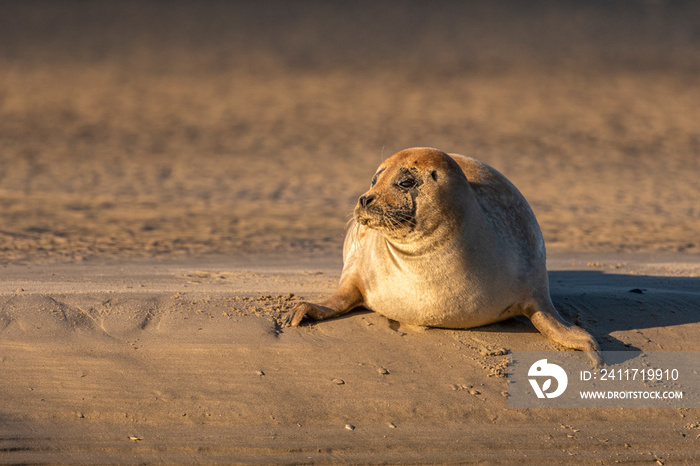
[(550, 324)]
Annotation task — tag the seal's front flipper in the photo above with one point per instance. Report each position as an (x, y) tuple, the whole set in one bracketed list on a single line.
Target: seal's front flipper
[(346, 298)]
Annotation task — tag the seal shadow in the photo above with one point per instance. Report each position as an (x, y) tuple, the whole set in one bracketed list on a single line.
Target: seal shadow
[(604, 304), (607, 303)]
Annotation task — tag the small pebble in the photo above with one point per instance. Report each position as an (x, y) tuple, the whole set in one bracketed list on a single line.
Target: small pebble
[(339, 381), (382, 371), (349, 427), (392, 425), (260, 373), (19, 290)]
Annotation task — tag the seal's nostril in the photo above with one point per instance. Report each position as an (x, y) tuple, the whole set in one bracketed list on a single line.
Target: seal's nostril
[(367, 200)]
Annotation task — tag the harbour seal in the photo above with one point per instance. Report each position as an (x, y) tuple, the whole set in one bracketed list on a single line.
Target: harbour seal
[(445, 241)]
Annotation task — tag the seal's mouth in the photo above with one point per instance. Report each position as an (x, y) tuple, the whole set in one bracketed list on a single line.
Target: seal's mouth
[(386, 218)]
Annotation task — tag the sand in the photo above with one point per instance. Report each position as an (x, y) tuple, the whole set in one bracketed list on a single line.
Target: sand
[(186, 361), (176, 175)]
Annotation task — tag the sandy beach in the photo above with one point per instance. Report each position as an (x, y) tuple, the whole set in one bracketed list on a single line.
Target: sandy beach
[(174, 176), (186, 362)]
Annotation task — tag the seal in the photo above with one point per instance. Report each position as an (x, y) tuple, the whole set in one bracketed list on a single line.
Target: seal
[(445, 241)]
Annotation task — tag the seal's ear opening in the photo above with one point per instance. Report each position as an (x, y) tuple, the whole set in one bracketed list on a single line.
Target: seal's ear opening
[(434, 175)]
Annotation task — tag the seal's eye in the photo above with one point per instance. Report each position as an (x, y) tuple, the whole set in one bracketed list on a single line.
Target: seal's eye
[(408, 183), (374, 181)]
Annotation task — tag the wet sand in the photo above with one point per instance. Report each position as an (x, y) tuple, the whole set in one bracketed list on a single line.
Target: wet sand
[(174, 176)]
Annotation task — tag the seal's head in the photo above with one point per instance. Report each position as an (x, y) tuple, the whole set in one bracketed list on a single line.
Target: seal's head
[(411, 193)]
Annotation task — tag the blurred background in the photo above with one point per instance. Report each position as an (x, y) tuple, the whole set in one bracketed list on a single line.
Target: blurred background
[(168, 128)]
